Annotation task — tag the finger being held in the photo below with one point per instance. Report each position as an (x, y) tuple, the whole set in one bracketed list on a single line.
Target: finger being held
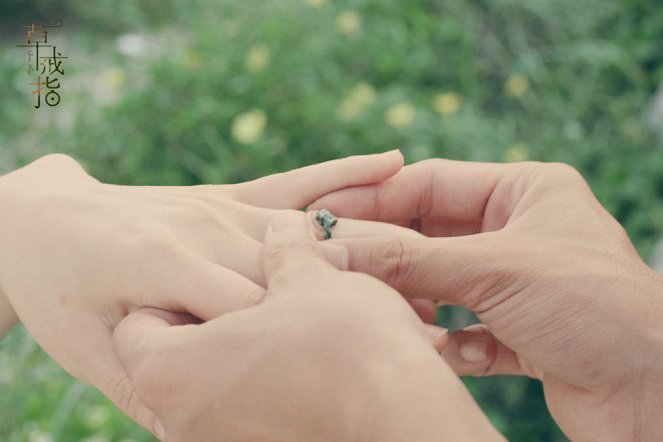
[(474, 351)]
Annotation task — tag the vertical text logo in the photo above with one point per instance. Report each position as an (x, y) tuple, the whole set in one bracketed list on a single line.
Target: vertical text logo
[(45, 70)]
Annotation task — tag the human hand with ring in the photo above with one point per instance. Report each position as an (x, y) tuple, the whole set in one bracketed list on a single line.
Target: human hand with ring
[(329, 355), (561, 293), (77, 255)]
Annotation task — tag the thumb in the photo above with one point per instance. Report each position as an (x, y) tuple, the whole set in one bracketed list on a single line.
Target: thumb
[(138, 340), (471, 271), (112, 380)]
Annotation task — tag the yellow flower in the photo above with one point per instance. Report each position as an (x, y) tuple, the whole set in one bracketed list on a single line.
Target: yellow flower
[(316, 3), (249, 126), (516, 86), (348, 22), (114, 77), (447, 104), (192, 60), (257, 58), (516, 153), (400, 115), (361, 96)]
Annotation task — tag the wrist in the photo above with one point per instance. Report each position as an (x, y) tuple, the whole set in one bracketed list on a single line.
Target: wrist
[(418, 397)]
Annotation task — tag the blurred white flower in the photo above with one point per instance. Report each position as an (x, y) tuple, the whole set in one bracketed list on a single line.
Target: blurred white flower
[(247, 127), (96, 417), (361, 96), (132, 45), (448, 103), (37, 435), (257, 57), (400, 115), (348, 22)]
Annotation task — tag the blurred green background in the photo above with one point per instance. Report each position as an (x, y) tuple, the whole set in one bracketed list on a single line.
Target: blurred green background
[(196, 91)]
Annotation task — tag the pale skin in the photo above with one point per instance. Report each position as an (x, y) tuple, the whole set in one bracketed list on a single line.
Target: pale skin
[(317, 360), (562, 294), (77, 255), (540, 261)]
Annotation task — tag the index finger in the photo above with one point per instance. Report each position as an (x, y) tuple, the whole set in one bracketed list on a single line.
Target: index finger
[(297, 188), (454, 190)]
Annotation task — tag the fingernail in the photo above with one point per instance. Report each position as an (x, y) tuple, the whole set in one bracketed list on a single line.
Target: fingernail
[(473, 351), (159, 431), (434, 332), (336, 255), (393, 150)]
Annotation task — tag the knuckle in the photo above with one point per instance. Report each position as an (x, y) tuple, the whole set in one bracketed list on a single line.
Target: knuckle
[(206, 195), (276, 252), (391, 261), (152, 243), (59, 159), (276, 263), (126, 397), (430, 164), (284, 279), (60, 165), (554, 177), (531, 169), (215, 192), (563, 173), (255, 296), (203, 210), (291, 245), (535, 167)]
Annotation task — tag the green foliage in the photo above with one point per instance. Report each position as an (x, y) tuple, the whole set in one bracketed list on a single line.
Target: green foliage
[(248, 88)]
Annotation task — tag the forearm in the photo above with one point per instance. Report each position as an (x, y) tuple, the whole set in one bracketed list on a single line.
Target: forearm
[(425, 401), (8, 317)]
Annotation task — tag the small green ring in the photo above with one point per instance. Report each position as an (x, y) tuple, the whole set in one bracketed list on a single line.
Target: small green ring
[(326, 220)]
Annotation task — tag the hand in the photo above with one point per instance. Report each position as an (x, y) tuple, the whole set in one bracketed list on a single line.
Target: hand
[(315, 361), (77, 255), (562, 293)]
